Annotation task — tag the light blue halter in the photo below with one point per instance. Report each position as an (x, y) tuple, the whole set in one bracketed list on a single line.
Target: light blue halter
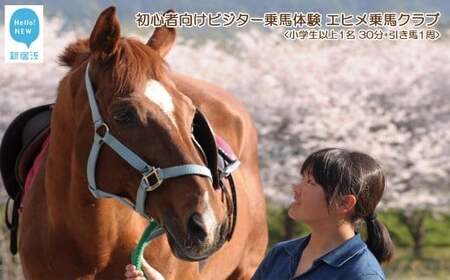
[(152, 176)]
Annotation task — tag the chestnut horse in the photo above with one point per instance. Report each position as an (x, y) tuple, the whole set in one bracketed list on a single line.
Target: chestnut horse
[(66, 233)]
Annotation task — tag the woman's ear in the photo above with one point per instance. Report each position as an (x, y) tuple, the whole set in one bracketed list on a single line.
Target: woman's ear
[(346, 204)]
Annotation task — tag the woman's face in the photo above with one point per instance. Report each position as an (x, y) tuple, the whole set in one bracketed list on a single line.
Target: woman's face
[(310, 204)]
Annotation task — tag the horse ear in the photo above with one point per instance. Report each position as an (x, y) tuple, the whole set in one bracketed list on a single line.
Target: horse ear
[(105, 35), (162, 38)]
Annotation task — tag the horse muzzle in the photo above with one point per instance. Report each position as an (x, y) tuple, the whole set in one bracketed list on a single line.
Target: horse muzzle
[(198, 241)]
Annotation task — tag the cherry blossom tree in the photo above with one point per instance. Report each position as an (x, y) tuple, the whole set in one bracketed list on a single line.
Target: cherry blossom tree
[(389, 99)]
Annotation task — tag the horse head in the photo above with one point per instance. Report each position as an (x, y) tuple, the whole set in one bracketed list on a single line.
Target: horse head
[(145, 111)]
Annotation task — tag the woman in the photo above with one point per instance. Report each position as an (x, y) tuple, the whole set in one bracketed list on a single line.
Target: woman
[(339, 189)]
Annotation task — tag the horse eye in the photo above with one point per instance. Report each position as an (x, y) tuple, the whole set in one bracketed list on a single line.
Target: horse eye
[(124, 116)]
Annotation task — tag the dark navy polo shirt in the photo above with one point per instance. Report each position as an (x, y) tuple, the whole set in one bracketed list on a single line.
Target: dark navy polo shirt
[(351, 260)]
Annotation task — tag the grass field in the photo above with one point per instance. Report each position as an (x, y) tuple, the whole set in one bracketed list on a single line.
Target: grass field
[(435, 263)]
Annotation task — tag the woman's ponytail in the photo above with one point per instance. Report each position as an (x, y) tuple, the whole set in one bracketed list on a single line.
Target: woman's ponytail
[(378, 240)]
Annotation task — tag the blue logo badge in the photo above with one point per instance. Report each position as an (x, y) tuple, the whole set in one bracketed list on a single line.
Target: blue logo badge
[(24, 26)]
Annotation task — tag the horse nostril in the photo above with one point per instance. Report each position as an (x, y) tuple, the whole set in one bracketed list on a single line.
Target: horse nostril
[(196, 227)]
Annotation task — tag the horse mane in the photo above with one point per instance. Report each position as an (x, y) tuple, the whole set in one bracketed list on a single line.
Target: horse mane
[(132, 63), (75, 53)]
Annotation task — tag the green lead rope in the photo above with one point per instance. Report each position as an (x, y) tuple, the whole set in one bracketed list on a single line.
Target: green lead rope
[(152, 231)]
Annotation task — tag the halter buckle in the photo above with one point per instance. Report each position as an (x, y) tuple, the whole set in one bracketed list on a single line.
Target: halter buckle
[(152, 179), (101, 129)]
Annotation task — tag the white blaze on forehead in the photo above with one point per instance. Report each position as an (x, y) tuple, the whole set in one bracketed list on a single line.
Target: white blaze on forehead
[(208, 217), (158, 94)]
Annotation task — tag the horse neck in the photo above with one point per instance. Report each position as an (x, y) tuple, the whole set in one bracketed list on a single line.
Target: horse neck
[(73, 211)]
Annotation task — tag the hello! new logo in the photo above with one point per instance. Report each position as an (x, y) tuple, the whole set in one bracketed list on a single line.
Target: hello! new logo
[(24, 42)]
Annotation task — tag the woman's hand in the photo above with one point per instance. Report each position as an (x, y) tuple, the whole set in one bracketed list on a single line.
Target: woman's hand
[(131, 273)]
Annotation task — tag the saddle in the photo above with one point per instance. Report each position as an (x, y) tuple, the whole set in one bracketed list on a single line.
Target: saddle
[(21, 143), (221, 160)]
